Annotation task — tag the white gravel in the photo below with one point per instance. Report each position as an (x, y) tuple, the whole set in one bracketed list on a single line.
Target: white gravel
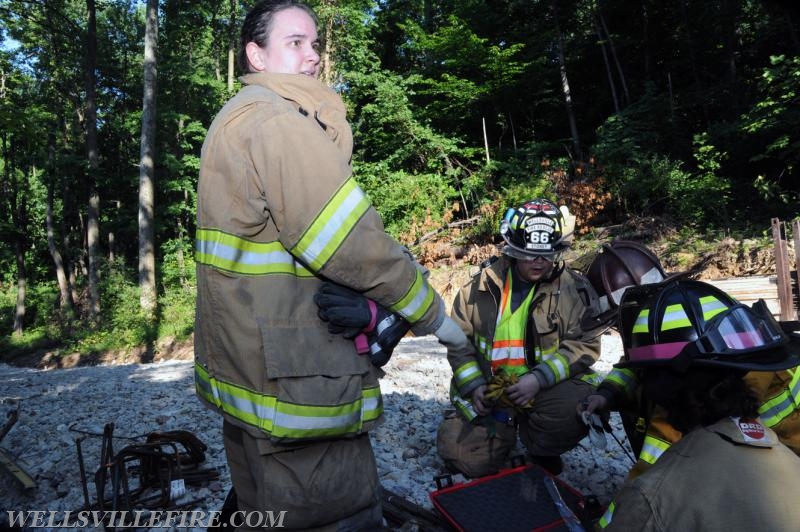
[(140, 398)]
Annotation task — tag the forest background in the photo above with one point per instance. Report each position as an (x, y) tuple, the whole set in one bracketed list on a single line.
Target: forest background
[(669, 121)]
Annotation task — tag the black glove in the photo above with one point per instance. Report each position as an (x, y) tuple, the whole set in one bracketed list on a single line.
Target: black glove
[(389, 330), (347, 312)]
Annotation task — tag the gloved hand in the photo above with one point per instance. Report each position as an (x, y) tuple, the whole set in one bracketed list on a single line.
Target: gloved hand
[(347, 312), (390, 329)]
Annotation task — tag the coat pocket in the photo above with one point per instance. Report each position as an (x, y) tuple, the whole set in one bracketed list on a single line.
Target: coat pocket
[(319, 383)]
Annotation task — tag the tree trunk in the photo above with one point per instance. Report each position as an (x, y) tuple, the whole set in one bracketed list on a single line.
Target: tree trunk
[(646, 41), (684, 7), (93, 212), (147, 263), (232, 33), (65, 297), (14, 193), (562, 66), (328, 71), (623, 83), (19, 313), (612, 87)]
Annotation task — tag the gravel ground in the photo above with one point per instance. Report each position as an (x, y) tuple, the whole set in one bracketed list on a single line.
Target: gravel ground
[(58, 406)]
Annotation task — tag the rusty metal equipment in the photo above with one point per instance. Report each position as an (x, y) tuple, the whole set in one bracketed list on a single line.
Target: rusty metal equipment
[(144, 475)]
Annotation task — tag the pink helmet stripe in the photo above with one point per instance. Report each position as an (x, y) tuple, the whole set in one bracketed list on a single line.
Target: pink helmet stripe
[(655, 352)]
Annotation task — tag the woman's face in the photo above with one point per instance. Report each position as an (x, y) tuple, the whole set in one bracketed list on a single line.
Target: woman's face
[(292, 46)]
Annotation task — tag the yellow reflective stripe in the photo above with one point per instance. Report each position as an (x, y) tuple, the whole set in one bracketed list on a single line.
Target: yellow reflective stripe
[(466, 373), (592, 378), (555, 367), (483, 346), (711, 307), (287, 420), (417, 300), (326, 234), (622, 378), (253, 409), (234, 254), (782, 405), (542, 353), (674, 318), (372, 406), (652, 449), (605, 520), (462, 405), (640, 325)]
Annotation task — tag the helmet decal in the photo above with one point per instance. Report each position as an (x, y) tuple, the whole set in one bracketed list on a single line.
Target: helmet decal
[(535, 228)]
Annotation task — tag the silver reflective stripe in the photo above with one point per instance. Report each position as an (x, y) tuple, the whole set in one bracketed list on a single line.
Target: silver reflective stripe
[(421, 298), (292, 422), (467, 372), (558, 364), (232, 254)]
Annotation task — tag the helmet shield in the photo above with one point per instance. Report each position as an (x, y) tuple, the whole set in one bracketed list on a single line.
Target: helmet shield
[(740, 329), (534, 229)]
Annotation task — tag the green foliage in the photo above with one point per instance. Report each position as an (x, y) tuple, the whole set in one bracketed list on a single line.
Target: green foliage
[(708, 120), (405, 200), (772, 126)]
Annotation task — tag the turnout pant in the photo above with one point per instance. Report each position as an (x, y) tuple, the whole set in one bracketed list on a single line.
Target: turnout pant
[(325, 486), (550, 428)]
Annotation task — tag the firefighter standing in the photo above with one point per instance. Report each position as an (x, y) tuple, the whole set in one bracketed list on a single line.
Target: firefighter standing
[(529, 360), (278, 211)]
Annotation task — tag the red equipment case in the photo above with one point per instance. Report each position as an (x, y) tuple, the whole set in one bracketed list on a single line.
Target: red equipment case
[(513, 500)]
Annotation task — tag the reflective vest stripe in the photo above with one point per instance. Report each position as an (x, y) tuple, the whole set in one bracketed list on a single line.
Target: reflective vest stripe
[(234, 254), (605, 520), (623, 378), (509, 343), (324, 236), (509, 356), (466, 374), (652, 449), (782, 405), (288, 420), (417, 300)]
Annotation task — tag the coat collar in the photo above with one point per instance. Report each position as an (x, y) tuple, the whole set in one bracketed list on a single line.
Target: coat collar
[(314, 98)]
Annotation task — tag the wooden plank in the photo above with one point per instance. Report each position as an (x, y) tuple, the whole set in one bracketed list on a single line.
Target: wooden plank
[(20, 474), (748, 290), (782, 270)]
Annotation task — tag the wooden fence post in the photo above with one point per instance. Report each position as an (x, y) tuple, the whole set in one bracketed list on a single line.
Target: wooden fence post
[(782, 270)]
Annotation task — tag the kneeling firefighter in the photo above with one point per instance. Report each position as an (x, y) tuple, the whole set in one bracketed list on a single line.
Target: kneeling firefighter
[(529, 358)]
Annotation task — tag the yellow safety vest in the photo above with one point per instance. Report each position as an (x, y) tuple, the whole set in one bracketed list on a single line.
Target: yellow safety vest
[(508, 346)]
